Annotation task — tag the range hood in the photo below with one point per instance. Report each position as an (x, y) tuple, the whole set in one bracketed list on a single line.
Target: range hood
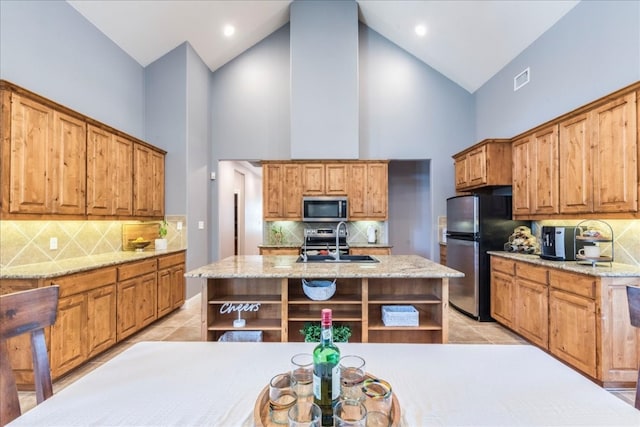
[(324, 80)]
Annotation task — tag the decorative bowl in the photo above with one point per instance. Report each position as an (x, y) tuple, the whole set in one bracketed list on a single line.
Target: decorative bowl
[(319, 290), (139, 245)]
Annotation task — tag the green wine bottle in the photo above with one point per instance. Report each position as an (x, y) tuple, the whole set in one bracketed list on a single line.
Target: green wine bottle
[(326, 370)]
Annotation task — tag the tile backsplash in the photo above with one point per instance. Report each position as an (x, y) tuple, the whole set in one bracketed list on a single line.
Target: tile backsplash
[(292, 232), (27, 242)]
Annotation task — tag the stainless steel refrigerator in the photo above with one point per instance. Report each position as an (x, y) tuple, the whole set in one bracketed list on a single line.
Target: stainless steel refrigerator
[(476, 224)]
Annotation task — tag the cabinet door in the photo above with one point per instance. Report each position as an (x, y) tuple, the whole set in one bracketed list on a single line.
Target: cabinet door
[(461, 166), (127, 307), (615, 161), (523, 155), (531, 311), (30, 150), (313, 179), (146, 297), (544, 173), (67, 170), (357, 190), (572, 322), (335, 179), (165, 304), (576, 185), (377, 190), (142, 181), (502, 298), (101, 319), (272, 175), (157, 179), (99, 171), (122, 191), (291, 190), (69, 335), (477, 161), (177, 286)]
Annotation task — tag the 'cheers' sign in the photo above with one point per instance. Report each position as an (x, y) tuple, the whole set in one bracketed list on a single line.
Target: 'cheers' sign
[(243, 306)]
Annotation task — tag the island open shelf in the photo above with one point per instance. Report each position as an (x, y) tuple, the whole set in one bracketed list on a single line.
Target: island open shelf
[(266, 291)]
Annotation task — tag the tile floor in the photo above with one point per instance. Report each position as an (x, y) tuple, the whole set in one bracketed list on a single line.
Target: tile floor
[(184, 325)]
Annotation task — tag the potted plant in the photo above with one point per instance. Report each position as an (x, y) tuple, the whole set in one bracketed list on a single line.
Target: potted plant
[(277, 235), (161, 243), (311, 332)]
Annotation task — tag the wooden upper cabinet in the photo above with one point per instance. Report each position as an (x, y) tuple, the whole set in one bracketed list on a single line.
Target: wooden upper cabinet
[(615, 155), (148, 181), (282, 191), (335, 179), (313, 179), (43, 159), (58, 164), (485, 164), (535, 173), (584, 163), (324, 179), (576, 185), (544, 171), (368, 188), (109, 173), (523, 156)]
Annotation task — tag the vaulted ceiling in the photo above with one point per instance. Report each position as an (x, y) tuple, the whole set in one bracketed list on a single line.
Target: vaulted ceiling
[(468, 41)]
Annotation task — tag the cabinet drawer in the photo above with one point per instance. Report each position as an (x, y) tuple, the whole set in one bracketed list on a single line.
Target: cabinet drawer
[(85, 281), (170, 260), (533, 273), (505, 265), (574, 283), (135, 269)]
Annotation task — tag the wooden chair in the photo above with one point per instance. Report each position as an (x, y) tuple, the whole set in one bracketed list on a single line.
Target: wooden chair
[(633, 295), (25, 312)]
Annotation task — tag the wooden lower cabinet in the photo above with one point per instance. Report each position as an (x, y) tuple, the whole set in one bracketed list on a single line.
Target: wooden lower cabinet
[(532, 304), (171, 286), (280, 251), (98, 308), (137, 297), (581, 319), (284, 308), (369, 251), (85, 324), (573, 330)]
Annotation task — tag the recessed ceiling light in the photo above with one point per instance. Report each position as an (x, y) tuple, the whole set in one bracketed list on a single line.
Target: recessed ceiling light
[(421, 30), (229, 30)]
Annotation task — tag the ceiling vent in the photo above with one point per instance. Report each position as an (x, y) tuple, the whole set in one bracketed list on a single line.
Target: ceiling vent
[(521, 79)]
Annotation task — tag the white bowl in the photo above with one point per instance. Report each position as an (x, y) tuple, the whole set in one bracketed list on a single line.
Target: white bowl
[(319, 290)]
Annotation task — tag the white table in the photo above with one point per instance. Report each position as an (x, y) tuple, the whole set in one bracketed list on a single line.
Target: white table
[(216, 384)]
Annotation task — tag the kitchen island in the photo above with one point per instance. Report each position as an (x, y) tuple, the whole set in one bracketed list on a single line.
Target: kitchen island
[(266, 292)]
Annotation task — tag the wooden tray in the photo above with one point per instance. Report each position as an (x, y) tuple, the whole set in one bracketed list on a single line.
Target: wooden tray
[(261, 416)]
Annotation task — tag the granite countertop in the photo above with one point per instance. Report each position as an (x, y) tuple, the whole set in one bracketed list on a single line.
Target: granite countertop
[(602, 269), (280, 266), (47, 270)]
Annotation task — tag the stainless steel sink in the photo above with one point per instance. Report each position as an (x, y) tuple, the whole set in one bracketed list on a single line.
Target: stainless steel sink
[(343, 258)]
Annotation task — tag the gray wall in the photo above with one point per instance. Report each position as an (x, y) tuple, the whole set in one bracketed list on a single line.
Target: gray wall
[(592, 51), (177, 89), (197, 164), (324, 80), (49, 48)]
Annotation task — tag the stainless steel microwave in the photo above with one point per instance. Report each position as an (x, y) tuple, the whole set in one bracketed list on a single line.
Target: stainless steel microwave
[(325, 209)]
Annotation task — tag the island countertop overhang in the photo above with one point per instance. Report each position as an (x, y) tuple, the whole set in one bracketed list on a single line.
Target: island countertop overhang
[(285, 266)]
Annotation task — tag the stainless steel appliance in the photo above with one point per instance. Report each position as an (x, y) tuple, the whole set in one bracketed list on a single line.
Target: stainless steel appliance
[(558, 243), (319, 240), (325, 209), (476, 224)]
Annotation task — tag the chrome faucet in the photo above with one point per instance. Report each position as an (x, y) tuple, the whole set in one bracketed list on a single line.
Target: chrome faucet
[(336, 254), (304, 251)]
